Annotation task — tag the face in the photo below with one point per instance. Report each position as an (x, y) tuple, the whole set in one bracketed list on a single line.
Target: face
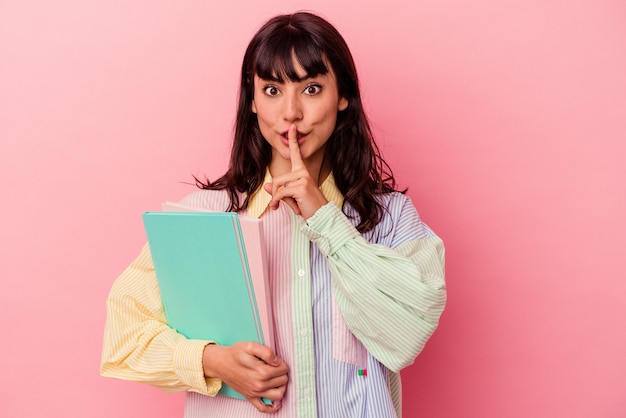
[(311, 104)]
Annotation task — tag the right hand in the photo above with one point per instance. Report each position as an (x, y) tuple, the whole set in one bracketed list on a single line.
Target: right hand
[(297, 188), (249, 368)]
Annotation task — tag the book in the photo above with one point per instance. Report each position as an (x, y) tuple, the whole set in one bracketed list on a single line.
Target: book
[(212, 274), (254, 243)]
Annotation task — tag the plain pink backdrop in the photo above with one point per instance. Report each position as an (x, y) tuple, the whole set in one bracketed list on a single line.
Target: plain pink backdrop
[(506, 120)]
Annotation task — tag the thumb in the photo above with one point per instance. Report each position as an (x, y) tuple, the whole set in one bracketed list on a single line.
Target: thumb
[(268, 187)]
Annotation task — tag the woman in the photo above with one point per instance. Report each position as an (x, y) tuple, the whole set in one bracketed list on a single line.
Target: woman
[(357, 279)]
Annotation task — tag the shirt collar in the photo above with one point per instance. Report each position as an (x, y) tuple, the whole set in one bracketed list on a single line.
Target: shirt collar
[(261, 199)]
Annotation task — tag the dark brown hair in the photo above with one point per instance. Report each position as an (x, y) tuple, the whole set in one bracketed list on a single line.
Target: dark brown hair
[(360, 172)]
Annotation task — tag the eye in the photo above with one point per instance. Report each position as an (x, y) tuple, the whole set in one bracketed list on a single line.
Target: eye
[(271, 90), (313, 89)]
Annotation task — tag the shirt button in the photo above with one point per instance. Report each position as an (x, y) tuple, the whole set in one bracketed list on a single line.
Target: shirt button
[(304, 332), (306, 393), (301, 272)]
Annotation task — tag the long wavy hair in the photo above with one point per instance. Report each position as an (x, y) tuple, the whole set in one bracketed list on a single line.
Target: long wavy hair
[(360, 172)]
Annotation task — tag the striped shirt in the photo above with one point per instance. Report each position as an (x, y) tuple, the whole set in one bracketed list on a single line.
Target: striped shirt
[(350, 311)]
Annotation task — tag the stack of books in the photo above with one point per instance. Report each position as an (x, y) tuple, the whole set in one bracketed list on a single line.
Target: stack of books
[(212, 273)]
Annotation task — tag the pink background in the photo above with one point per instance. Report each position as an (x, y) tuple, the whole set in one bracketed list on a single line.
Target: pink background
[(506, 120)]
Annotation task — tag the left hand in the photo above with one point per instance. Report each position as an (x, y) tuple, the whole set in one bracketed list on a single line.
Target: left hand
[(296, 188), (251, 369)]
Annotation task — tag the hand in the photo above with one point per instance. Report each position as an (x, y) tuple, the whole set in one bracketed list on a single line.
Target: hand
[(249, 368), (296, 188)]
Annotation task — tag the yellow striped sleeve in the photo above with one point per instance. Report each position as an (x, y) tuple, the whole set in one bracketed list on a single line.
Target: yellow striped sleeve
[(139, 345)]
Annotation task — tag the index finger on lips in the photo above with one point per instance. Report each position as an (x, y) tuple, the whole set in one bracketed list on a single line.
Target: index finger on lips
[(294, 149)]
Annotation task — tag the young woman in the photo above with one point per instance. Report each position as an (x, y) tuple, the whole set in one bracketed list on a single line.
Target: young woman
[(357, 279)]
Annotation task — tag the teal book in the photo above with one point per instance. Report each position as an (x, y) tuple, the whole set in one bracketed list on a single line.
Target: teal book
[(205, 279)]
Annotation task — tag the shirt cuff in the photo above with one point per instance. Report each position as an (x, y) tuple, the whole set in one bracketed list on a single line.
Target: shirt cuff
[(188, 367), (329, 228)]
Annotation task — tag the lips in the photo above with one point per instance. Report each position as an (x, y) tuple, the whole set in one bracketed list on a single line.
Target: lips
[(300, 135)]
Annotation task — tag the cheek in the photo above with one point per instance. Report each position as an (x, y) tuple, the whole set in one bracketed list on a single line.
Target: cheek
[(266, 127), (264, 115), (330, 118), (262, 120)]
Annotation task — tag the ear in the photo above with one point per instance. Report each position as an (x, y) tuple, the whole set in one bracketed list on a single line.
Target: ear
[(253, 106), (343, 104)]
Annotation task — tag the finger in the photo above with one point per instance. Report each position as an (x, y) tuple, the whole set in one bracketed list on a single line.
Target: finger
[(261, 407), (263, 353), (275, 394), (294, 149), (290, 201), (270, 188), (277, 384), (278, 194)]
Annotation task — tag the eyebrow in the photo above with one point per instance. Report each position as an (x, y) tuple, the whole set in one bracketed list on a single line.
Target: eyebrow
[(281, 79)]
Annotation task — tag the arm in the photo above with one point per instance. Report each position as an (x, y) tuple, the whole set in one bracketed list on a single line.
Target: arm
[(390, 298), (138, 344)]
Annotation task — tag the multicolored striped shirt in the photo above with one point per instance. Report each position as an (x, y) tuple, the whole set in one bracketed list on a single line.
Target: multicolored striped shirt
[(350, 311)]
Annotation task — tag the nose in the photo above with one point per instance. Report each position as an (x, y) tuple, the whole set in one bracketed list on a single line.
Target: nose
[(292, 107)]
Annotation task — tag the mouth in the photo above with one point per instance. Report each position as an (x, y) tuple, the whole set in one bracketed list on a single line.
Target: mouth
[(299, 135)]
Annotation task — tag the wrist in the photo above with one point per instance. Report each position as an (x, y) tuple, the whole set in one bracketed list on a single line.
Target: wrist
[(210, 359), (311, 209)]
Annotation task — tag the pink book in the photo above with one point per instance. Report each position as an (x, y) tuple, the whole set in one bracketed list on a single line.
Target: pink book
[(254, 242)]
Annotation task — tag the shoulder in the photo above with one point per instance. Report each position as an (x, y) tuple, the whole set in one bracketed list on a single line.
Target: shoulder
[(212, 200), (395, 201), (400, 220)]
